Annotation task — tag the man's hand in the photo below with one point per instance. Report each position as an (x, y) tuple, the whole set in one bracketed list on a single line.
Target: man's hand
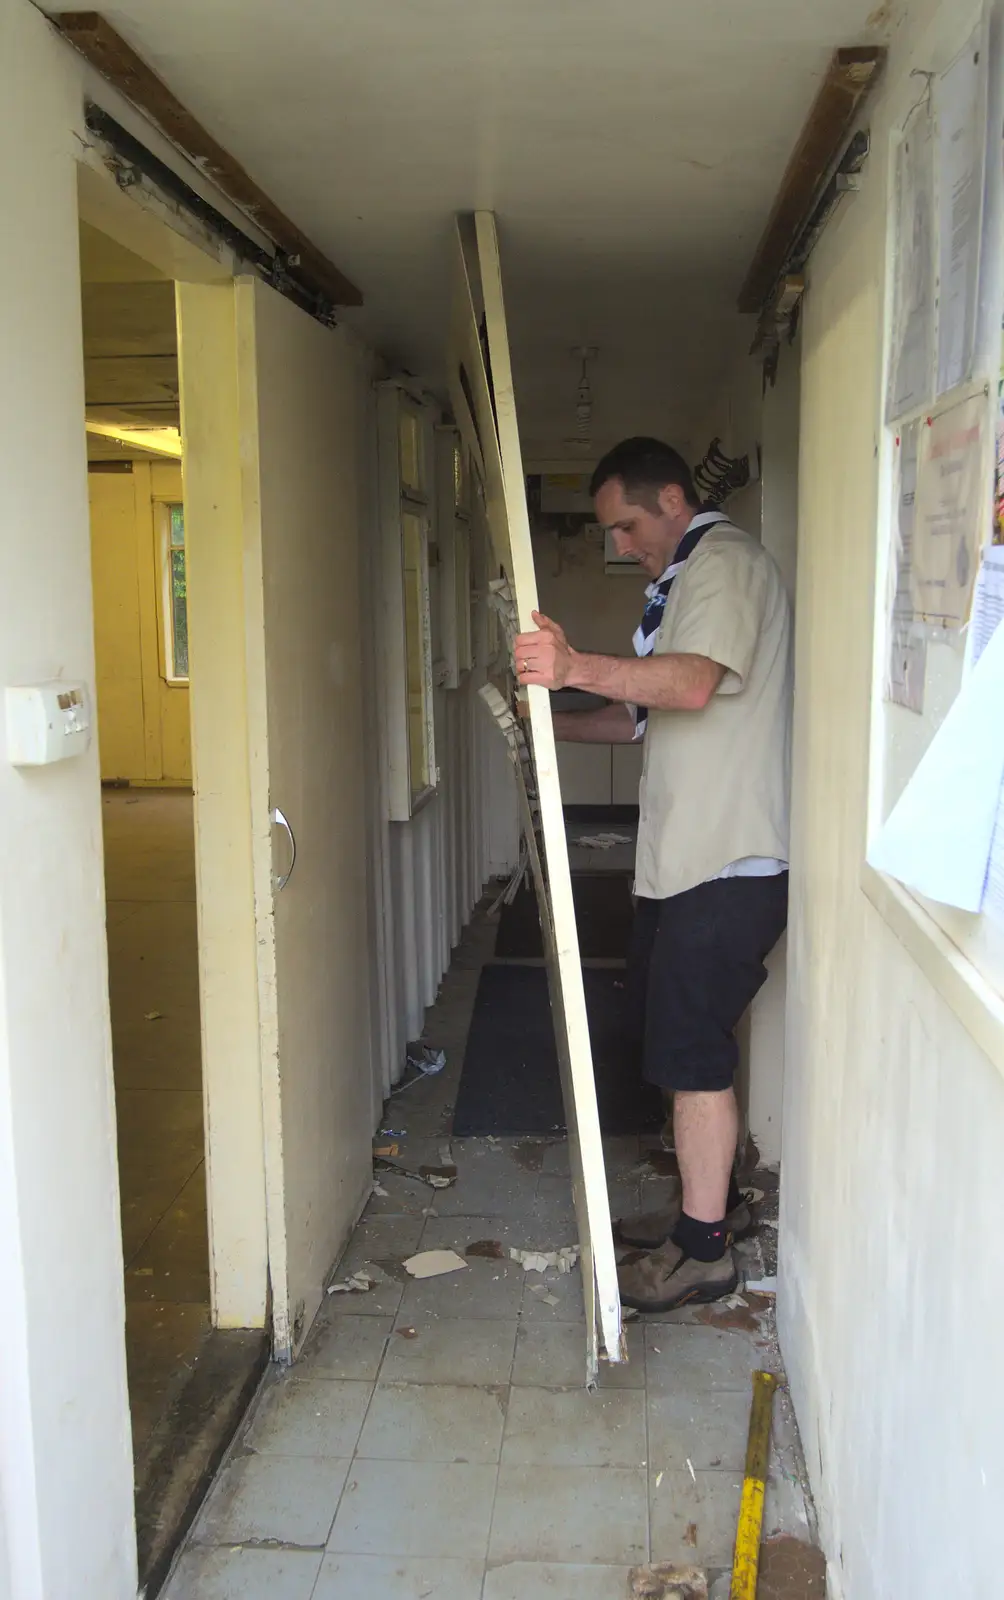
[(544, 657)]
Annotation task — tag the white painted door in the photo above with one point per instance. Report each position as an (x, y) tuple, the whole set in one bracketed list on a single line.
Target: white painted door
[(303, 403), (482, 391)]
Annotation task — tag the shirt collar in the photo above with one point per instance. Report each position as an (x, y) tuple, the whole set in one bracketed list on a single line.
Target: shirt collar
[(701, 520)]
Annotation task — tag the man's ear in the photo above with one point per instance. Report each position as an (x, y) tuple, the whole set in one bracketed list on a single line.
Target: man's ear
[(672, 500)]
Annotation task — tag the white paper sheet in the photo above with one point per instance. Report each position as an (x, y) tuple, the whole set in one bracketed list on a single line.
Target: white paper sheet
[(911, 369), (938, 836), (960, 101), (988, 614), (907, 646), (951, 511), (993, 894), (988, 604)]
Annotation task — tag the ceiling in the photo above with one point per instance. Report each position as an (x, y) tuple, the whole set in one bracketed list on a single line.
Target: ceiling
[(130, 343), (631, 152)]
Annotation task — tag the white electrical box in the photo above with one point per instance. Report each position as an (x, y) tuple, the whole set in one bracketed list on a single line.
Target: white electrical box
[(47, 722)]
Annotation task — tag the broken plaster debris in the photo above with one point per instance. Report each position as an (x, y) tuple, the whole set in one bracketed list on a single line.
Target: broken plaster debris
[(562, 1260), (360, 1282), (545, 1294), (690, 1468), (153, 1016), (434, 1263), (761, 1285), (666, 1582), (426, 1063), (380, 1191), (601, 841), (434, 1177)]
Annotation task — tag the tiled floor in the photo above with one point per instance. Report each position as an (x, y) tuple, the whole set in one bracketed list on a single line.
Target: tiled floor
[(435, 1441), (154, 990)]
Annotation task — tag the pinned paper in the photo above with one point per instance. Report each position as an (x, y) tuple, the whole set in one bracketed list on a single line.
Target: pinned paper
[(937, 837)]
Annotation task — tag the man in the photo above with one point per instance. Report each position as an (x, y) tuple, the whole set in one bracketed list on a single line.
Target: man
[(710, 692)]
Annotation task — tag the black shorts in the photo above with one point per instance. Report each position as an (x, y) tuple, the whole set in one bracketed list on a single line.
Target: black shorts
[(696, 962)]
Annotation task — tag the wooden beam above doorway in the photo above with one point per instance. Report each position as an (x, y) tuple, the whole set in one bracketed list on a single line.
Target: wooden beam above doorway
[(116, 60), (849, 76)]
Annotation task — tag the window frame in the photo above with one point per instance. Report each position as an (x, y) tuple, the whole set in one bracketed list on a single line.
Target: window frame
[(453, 540), (163, 505), (405, 490)]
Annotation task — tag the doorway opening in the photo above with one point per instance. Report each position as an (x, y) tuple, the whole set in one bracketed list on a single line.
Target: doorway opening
[(188, 1381)]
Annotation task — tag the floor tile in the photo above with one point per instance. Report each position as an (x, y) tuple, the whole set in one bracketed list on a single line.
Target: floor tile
[(489, 1289), (344, 1346), (415, 1508), (692, 1359), (162, 1336), (403, 1197), (433, 1422), (173, 1263), (707, 1428), (387, 1240), (489, 1181), (552, 1355), (309, 1417), (398, 1578), (460, 1232), (554, 1212), (563, 1287), (785, 1508), (277, 1499), (534, 1580), (571, 1427), (570, 1514), (245, 1575), (451, 1350), (693, 1519)]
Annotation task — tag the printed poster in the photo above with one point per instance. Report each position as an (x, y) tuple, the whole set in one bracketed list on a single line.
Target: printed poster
[(960, 100), (912, 366), (951, 511), (907, 646)]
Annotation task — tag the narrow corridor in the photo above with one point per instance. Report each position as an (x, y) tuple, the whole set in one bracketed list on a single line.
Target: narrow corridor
[(436, 1439)]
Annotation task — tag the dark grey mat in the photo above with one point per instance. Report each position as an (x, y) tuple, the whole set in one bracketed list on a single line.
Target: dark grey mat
[(603, 916), (509, 1082)]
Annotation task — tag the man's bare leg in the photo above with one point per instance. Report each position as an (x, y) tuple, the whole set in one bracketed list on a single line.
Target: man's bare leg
[(707, 1131)]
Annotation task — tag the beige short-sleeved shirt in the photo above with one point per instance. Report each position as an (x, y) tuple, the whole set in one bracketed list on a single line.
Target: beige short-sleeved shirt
[(715, 783)]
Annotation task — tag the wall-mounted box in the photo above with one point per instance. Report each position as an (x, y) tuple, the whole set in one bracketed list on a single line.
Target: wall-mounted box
[(46, 722)]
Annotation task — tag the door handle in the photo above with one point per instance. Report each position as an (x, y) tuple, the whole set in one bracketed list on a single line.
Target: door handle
[(283, 878)]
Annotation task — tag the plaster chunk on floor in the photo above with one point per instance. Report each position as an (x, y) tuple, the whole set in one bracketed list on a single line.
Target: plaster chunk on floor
[(667, 1582)]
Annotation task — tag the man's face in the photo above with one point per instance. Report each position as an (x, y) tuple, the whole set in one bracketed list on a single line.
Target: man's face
[(650, 536)]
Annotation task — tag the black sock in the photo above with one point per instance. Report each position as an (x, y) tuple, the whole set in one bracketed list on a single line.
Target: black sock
[(704, 1241), (735, 1195)]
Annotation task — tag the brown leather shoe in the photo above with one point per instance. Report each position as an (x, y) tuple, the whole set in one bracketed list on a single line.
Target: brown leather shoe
[(652, 1228), (661, 1280)]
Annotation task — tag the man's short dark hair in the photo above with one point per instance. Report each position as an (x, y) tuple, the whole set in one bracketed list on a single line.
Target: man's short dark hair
[(644, 466)]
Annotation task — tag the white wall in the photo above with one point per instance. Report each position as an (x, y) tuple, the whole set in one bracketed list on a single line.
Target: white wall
[(65, 1459), (891, 1299), (778, 496)]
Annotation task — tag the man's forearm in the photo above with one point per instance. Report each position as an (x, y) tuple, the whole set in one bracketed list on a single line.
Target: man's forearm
[(606, 725), (662, 683)]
